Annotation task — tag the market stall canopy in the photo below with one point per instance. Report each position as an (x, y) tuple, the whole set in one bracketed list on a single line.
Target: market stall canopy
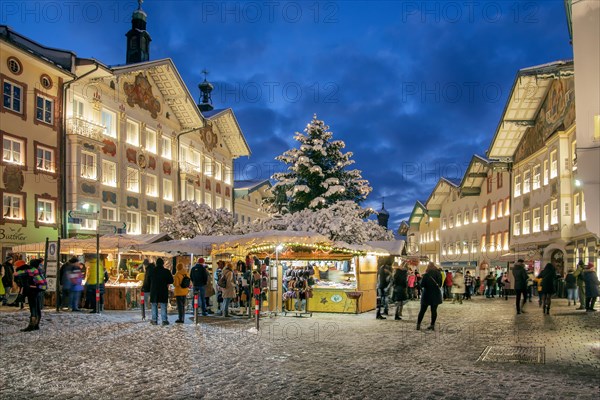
[(201, 245), (108, 244), (393, 247)]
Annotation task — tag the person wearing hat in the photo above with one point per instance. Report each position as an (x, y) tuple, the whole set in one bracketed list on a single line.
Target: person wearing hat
[(520, 276), (591, 287), (33, 283), (578, 274), (199, 277)]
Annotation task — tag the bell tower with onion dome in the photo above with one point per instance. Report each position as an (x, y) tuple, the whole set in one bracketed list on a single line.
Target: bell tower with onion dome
[(138, 39)]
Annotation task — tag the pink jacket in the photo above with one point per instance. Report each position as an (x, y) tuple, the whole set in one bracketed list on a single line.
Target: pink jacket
[(411, 281)]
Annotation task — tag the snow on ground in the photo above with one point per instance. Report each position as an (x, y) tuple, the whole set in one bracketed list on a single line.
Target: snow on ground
[(116, 355)]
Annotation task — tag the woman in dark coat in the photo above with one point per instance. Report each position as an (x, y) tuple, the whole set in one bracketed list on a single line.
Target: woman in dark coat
[(547, 275), (591, 287), (431, 294), (400, 282), (160, 278)]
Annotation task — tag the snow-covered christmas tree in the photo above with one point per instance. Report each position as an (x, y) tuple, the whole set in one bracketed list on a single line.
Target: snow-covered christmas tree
[(317, 175)]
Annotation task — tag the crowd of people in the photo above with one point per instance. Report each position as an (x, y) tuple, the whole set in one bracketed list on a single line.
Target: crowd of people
[(399, 284)]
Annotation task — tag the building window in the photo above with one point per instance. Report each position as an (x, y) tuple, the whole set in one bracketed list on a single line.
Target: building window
[(14, 65), (45, 211), (484, 215), (536, 177), (198, 196), (507, 206), (499, 179), (492, 211), (574, 155), (109, 173), (500, 209), (546, 172), (165, 147), (133, 180), (133, 223), (526, 222), (536, 220), (576, 208), (88, 165), (133, 133), (458, 219), (467, 219), (505, 247), (152, 224), (195, 159), (151, 141), (89, 223), (13, 150), (474, 246), (12, 97), (183, 154), (228, 176), (167, 189), (489, 184), (451, 221), (475, 215), (44, 109), (78, 108), (546, 217), (208, 200), (517, 225), (109, 214), (554, 212), (189, 192), (526, 182), (443, 224), (151, 185), (517, 190), (13, 207), (218, 202), (483, 243), (44, 159), (108, 122), (553, 165), (228, 205), (218, 171), (208, 166)]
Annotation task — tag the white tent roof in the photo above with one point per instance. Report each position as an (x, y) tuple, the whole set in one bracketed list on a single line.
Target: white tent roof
[(394, 247)]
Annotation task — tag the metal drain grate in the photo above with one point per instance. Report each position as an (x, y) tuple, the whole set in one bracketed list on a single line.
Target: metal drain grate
[(513, 354)]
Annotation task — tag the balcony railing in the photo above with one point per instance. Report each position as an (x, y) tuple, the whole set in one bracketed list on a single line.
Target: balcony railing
[(82, 127), (188, 168)]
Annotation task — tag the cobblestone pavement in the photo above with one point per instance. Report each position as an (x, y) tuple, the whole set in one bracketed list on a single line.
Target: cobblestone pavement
[(116, 355)]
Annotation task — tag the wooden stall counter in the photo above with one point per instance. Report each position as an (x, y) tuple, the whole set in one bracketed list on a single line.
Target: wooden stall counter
[(334, 300), (120, 297)]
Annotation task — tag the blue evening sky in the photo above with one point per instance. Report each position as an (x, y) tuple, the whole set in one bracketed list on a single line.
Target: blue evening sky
[(414, 88)]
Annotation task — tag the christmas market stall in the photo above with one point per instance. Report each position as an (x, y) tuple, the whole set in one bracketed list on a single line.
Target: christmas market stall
[(308, 273)]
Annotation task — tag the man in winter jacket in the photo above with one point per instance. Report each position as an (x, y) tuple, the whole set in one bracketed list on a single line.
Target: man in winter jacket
[(30, 278), (520, 276), (160, 279), (578, 274), (7, 272), (199, 277)]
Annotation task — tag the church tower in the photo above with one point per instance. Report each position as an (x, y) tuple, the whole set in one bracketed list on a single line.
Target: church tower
[(383, 215), (138, 39)]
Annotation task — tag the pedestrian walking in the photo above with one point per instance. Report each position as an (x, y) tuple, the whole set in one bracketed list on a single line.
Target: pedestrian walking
[(180, 280), (477, 285), (520, 276), (457, 290), (578, 274), (65, 282), (468, 285), (418, 279), (91, 285), (160, 279), (448, 281), (210, 289), (228, 279), (501, 281), (400, 284), (29, 277), (547, 275), (383, 281), (148, 269), (7, 272), (591, 287), (411, 280), (199, 277), (76, 280), (571, 286), (431, 294), (490, 282), (530, 283)]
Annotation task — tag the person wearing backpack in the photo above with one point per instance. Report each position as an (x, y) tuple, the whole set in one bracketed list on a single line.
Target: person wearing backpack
[(182, 282), (30, 278), (199, 277)]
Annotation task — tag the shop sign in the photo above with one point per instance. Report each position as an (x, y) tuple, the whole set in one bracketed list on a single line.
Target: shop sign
[(51, 284), (52, 251), (76, 214), (13, 234), (51, 269)]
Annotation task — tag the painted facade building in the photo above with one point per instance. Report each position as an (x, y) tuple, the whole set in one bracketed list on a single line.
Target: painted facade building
[(31, 120), (423, 240), (248, 199), (138, 142), (537, 136)]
